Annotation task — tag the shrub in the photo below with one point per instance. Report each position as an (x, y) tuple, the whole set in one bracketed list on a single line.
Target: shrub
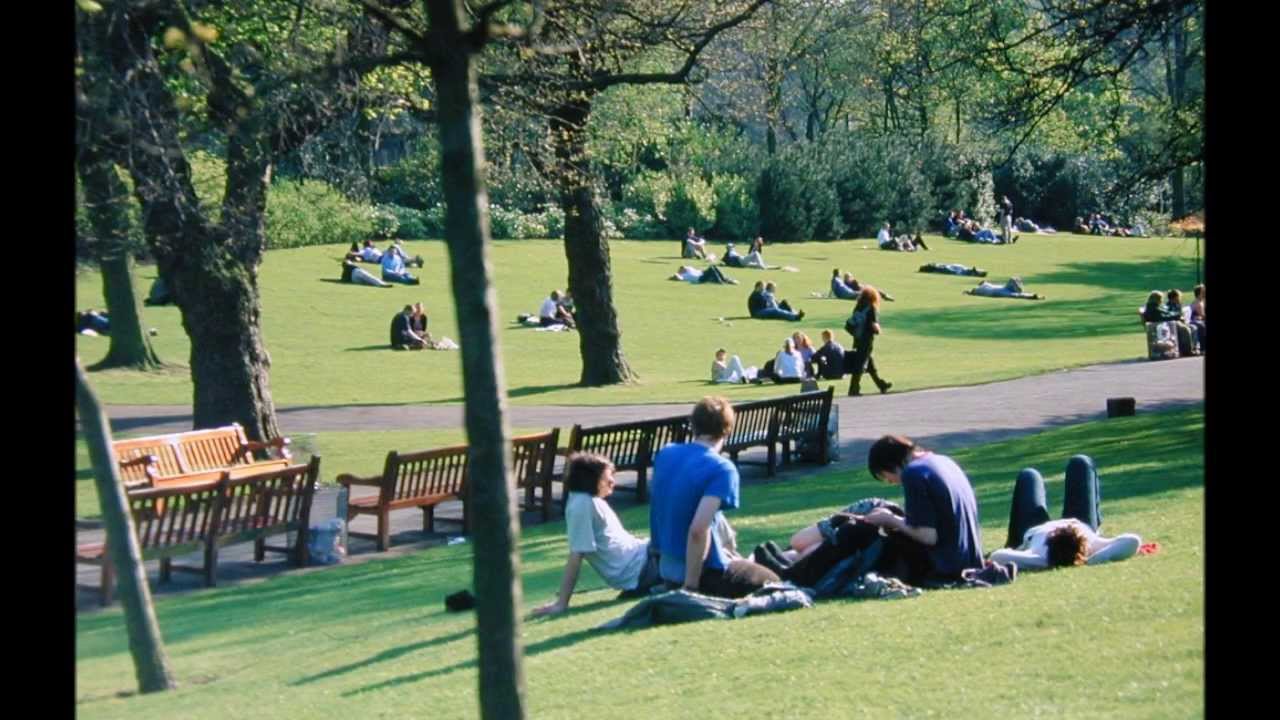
[(634, 224), (692, 205), (877, 181), (736, 213), (649, 193), (413, 182), (796, 199), (313, 213), (959, 178), (386, 224)]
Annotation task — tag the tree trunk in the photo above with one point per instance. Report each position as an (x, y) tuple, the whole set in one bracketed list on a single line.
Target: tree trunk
[(212, 270), (494, 514), (105, 196), (587, 252), (150, 663), (1176, 78)]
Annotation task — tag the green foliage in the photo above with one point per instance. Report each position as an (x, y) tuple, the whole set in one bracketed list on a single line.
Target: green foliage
[(386, 222), (87, 241), (414, 181), (797, 199), (632, 224), (649, 193), (511, 224), (960, 179), (879, 180), (692, 205), (402, 222), (302, 213), (737, 215)]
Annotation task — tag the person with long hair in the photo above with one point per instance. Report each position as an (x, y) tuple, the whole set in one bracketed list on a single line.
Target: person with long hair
[(864, 325)]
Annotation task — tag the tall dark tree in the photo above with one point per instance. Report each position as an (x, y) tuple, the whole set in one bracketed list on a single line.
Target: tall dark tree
[(150, 662), (266, 107), (581, 49)]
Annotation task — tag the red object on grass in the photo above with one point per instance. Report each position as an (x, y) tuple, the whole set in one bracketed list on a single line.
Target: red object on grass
[(1149, 548)]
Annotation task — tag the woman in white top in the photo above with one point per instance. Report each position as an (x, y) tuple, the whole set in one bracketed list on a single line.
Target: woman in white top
[(596, 535), (1036, 542), (788, 366)]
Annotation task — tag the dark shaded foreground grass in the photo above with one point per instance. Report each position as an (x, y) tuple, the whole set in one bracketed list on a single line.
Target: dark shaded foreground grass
[(372, 640)]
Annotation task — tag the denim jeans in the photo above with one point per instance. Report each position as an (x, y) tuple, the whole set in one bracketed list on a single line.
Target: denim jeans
[(399, 277), (776, 313), (1083, 499)]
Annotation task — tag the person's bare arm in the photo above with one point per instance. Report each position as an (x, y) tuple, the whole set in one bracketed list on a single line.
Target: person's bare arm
[(699, 540), (567, 584)]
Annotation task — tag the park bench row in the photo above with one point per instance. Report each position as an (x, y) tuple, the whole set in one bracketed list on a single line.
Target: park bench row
[(205, 511)]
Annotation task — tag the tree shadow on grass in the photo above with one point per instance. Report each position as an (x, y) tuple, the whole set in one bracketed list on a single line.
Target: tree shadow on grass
[(385, 655), (1136, 278), (991, 319), (365, 348)]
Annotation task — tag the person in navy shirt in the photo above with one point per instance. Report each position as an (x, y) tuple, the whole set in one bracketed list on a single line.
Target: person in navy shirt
[(692, 486), (941, 512)]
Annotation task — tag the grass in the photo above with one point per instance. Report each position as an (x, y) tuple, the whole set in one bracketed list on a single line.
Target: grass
[(327, 339), (1116, 641)]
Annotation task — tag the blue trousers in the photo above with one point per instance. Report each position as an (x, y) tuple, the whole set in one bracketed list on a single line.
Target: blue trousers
[(1083, 499)]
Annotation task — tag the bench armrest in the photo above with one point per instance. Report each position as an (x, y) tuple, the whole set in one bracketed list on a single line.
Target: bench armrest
[(348, 480)]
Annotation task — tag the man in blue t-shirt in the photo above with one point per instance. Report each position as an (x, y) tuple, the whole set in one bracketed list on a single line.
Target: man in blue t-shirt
[(941, 512), (691, 484)]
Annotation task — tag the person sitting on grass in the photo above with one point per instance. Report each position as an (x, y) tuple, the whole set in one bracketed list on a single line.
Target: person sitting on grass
[(1011, 289), (352, 273), (731, 257), (402, 335), (953, 269), (839, 288), (393, 268), (1156, 311), (553, 312), (694, 246), (787, 366), (730, 370), (692, 485), (752, 259), (818, 548), (828, 361), (367, 253), (1035, 542), (93, 322), (776, 310), (805, 347), (712, 274), (622, 560), (1197, 315)]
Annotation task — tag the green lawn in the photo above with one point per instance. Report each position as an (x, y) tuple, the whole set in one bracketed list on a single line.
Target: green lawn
[(372, 640), (327, 339)]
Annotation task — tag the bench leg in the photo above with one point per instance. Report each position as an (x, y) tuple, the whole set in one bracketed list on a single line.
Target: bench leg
[(210, 565), (301, 550), (166, 569), (429, 519), (384, 530), (546, 501), (642, 487), (773, 459), (259, 549), (108, 581)]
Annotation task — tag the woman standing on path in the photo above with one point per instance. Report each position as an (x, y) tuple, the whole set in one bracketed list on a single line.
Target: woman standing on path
[(864, 325)]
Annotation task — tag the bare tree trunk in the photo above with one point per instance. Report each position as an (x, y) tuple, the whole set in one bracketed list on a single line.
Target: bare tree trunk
[(105, 196), (150, 663), (1176, 79), (587, 252), (494, 514)]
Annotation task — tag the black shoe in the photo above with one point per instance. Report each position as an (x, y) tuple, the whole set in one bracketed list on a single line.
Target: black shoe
[(884, 387), (776, 553), (764, 559)]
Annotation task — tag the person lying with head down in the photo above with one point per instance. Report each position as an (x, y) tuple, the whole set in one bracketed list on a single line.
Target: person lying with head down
[(712, 274), (1011, 289)]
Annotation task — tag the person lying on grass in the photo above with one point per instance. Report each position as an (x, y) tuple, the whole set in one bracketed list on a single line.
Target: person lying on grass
[(1035, 542), (1011, 289), (712, 274), (953, 269), (596, 535), (852, 283), (352, 273)]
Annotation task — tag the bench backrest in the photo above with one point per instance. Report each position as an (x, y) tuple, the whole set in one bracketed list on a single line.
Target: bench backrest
[(265, 502), (182, 453), (175, 517), (804, 415), (754, 423), (425, 474), (632, 445), (533, 457)]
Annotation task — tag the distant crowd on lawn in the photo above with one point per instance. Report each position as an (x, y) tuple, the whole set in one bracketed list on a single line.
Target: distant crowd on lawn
[(931, 538)]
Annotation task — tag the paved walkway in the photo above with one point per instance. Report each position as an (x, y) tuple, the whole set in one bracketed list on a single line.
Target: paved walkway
[(944, 419)]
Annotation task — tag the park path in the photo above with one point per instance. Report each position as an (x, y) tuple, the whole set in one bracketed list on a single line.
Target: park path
[(943, 419)]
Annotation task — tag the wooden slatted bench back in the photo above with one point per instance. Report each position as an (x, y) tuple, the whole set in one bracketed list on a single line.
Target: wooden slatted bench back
[(804, 415), (533, 460), (625, 444), (178, 454), (267, 502), (163, 448), (754, 424), (214, 448), (410, 477), (176, 520)]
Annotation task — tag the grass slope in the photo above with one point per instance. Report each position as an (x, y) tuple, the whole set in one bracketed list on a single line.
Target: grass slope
[(327, 339), (372, 640)]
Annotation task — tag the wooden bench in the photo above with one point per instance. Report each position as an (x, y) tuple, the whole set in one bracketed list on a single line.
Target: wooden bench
[(210, 510), (143, 461), (631, 446), (426, 479), (533, 460)]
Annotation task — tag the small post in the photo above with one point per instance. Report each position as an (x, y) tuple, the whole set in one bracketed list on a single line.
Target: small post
[(1121, 407)]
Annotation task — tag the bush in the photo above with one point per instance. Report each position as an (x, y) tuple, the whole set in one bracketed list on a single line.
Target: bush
[(649, 194), (737, 215), (692, 205), (877, 181), (385, 222), (796, 199), (959, 178), (313, 213), (507, 223), (632, 224), (413, 182)]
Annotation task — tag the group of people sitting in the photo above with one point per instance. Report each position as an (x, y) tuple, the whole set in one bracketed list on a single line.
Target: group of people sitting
[(409, 329), (901, 243), (798, 360), (695, 246), (1099, 224), (393, 261), (964, 228), (763, 304), (931, 539), (1189, 322)]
